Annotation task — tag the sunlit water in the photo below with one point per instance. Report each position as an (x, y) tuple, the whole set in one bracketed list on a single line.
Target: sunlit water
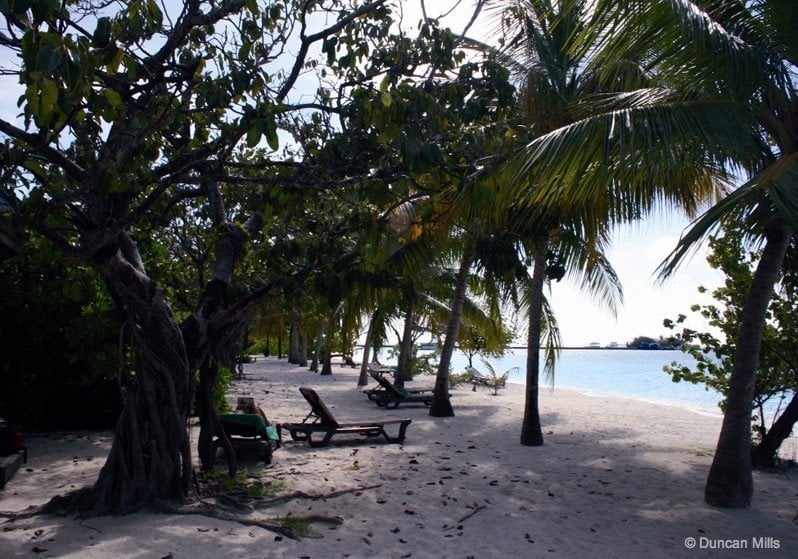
[(628, 373)]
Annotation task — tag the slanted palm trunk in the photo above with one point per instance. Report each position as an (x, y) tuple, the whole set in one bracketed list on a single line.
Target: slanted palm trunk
[(764, 455), (441, 404), (531, 432), (730, 482)]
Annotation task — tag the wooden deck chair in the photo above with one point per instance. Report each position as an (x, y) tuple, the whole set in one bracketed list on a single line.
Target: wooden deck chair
[(493, 381), (385, 387), (391, 396), (320, 421)]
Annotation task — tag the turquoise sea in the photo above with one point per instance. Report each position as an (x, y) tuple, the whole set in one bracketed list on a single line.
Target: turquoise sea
[(627, 373)]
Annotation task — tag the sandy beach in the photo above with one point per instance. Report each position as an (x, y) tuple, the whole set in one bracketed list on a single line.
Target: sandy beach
[(616, 478)]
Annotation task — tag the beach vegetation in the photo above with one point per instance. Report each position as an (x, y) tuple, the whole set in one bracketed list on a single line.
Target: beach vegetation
[(732, 66), (61, 366), (775, 400), (299, 526), (495, 380), (129, 129), (708, 108)]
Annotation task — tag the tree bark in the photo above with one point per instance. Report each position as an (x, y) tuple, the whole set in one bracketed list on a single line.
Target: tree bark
[(209, 421), (441, 403), (730, 481), (531, 431), (326, 362), (406, 344), (293, 343), (150, 459), (314, 364), (764, 454), (363, 378)]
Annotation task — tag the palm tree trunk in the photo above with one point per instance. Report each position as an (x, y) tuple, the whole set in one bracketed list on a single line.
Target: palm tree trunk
[(406, 344), (531, 432), (314, 364), (730, 482), (363, 379), (441, 404), (293, 342), (326, 360)]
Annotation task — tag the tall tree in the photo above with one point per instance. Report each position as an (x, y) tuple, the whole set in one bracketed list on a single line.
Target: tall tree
[(126, 115), (725, 100), (555, 85), (714, 351)]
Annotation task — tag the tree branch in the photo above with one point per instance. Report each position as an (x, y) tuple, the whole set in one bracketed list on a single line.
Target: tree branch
[(307, 41), (49, 153)]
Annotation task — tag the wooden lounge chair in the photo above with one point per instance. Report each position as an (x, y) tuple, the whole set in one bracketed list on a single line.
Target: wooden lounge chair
[(493, 381), (391, 396), (249, 430), (384, 385), (478, 378), (320, 421)]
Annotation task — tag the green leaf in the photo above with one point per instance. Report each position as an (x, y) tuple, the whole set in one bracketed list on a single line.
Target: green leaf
[(254, 133), (116, 60), (271, 134), (113, 98), (47, 59), (102, 33), (49, 96), (386, 99), (154, 12)]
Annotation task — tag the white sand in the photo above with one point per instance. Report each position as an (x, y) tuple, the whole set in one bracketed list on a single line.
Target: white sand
[(616, 478)]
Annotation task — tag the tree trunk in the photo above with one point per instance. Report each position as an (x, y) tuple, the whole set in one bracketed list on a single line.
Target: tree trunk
[(531, 432), (363, 379), (150, 459), (441, 404), (314, 364), (293, 343), (730, 482), (209, 421), (406, 344), (764, 454), (326, 363), (302, 358)]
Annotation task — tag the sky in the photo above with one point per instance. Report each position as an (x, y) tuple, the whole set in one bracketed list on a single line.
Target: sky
[(635, 254)]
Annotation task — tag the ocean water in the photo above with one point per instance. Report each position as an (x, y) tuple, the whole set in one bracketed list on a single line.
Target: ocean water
[(626, 373)]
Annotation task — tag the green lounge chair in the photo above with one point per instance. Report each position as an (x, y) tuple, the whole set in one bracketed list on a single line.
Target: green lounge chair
[(320, 421), (248, 430), (383, 388), (391, 396)]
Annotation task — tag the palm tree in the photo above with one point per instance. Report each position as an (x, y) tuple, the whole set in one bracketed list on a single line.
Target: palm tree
[(555, 85), (720, 102)]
